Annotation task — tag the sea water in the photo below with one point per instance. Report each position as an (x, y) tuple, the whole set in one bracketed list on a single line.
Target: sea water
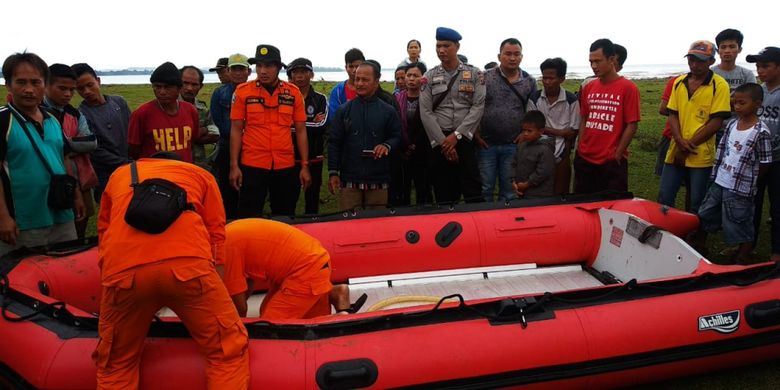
[(574, 72)]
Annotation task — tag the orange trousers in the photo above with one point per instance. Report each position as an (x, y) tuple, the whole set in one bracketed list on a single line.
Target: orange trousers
[(283, 304), (194, 291)]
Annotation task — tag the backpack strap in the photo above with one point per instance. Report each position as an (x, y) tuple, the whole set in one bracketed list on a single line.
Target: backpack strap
[(512, 87), (570, 97), (133, 174), (444, 94), (5, 120), (26, 130)]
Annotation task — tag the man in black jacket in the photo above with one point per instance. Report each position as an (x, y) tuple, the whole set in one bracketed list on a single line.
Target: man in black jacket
[(362, 135), (300, 72)]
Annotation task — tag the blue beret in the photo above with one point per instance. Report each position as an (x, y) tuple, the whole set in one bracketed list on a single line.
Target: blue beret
[(447, 34)]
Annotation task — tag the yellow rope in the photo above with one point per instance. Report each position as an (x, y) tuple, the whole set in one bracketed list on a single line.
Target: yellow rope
[(404, 299)]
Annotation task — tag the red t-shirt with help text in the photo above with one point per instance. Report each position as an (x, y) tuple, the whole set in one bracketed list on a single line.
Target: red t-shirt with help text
[(155, 131), (606, 109)]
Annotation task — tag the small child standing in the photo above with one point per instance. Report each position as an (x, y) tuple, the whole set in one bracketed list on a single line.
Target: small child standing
[(741, 157), (534, 163)]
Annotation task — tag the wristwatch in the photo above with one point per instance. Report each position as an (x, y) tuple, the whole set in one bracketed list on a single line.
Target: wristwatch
[(458, 135)]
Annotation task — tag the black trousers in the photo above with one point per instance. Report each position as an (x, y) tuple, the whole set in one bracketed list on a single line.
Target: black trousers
[(590, 178), (411, 172), (222, 172), (451, 180), (257, 183), (312, 195)]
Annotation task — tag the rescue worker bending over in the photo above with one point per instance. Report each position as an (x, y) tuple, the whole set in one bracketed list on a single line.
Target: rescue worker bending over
[(295, 265)]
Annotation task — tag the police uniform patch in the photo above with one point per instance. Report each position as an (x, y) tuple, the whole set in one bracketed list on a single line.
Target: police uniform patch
[(481, 76), (287, 100), (466, 88), (466, 75), (233, 99), (254, 100), (310, 110), (437, 79)]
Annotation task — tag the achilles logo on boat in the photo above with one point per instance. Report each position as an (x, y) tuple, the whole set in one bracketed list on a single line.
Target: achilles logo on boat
[(721, 322)]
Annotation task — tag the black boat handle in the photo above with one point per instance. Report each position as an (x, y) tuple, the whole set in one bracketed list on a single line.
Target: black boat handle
[(767, 314), (763, 314), (354, 373), (347, 374)]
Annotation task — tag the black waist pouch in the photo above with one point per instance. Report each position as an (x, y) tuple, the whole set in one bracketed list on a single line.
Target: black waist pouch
[(156, 204), (61, 192)]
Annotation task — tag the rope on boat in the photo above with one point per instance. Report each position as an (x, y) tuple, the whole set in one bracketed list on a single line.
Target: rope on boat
[(408, 299)]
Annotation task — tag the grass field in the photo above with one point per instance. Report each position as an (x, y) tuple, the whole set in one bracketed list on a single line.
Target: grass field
[(642, 182)]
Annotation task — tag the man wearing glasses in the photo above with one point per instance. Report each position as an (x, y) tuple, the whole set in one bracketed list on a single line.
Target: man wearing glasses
[(262, 161)]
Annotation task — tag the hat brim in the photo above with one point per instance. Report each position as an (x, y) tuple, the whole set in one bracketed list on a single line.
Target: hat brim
[(254, 61), (700, 57), (753, 58), (217, 68), (307, 67)]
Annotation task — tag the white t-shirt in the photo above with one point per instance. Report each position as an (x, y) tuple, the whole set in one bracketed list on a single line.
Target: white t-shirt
[(732, 154)]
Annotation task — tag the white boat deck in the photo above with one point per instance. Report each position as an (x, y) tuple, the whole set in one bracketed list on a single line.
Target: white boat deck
[(473, 283), (481, 285)]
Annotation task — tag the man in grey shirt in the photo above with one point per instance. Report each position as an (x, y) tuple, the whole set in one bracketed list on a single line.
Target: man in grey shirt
[(507, 90), (729, 42), (451, 106), (108, 118)]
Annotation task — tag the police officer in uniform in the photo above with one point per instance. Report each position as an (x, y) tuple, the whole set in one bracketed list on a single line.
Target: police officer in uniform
[(451, 106)]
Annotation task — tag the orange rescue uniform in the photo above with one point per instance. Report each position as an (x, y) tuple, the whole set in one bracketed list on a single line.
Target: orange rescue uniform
[(268, 117), (295, 265), (142, 273)]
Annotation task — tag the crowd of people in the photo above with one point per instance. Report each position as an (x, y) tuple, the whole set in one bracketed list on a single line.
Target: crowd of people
[(451, 133)]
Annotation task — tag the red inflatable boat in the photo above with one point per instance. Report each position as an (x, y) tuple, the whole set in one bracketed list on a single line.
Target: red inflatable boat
[(573, 293)]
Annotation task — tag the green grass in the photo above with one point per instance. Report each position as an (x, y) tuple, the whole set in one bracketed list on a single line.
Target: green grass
[(642, 182)]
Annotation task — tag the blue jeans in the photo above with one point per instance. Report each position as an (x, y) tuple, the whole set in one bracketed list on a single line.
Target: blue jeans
[(730, 211), (494, 161), (673, 176)]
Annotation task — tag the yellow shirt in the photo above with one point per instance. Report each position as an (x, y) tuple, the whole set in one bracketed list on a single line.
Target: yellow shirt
[(711, 99)]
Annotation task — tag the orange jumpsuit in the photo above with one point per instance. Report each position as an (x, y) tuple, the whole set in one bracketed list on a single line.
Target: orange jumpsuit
[(143, 272), (295, 265)]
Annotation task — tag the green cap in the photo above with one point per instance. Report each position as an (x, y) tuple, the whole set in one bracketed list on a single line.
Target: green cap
[(238, 59)]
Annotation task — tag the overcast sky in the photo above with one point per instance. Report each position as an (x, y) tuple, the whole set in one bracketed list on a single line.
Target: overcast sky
[(144, 33)]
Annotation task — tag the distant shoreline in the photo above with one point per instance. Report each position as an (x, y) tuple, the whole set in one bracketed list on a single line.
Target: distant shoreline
[(148, 71)]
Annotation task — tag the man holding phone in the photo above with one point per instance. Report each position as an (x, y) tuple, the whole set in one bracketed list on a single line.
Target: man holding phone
[(363, 133)]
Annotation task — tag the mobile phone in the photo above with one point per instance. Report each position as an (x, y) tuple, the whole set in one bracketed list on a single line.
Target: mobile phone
[(367, 153)]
